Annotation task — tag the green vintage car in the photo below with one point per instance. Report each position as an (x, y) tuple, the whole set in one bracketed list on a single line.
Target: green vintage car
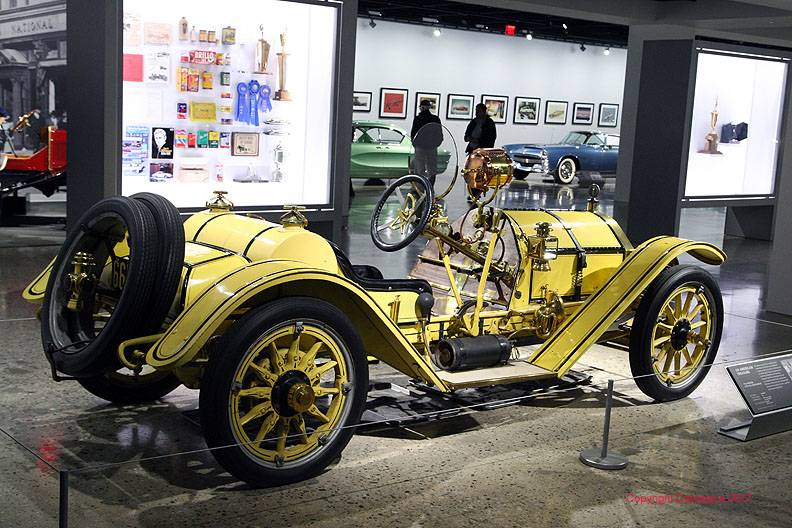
[(381, 150)]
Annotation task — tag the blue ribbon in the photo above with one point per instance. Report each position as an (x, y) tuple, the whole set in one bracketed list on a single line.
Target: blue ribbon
[(242, 103), (253, 88), (265, 105)]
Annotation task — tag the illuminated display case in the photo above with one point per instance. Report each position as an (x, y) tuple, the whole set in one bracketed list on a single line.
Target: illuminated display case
[(236, 96), (736, 125)]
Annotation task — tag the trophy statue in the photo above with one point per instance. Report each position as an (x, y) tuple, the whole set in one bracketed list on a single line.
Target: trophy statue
[(278, 156), (282, 94), (712, 137), (262, 53)]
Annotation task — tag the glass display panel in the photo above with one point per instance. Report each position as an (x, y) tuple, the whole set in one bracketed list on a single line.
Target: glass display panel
[(234, 96), (736, 125)]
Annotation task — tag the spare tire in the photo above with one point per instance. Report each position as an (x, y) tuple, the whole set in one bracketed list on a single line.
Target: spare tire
[(97, 296), (170, 259)]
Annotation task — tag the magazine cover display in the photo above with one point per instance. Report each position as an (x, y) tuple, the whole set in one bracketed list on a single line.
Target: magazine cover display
[(226, 97)]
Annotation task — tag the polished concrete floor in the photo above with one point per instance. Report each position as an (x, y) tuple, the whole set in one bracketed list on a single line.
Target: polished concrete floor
[(493, 466)]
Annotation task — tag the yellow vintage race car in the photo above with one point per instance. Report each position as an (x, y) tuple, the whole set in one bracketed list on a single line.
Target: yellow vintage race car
[(274, 325)]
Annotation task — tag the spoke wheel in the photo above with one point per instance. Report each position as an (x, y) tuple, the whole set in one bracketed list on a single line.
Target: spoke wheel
[(284, 386), (401, 213), (676, 332), (566, 171)]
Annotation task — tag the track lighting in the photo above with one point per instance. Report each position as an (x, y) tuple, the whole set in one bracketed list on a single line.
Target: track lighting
[(529, 36), (437, 32), (372, 23), (582, 47), (606, 51)]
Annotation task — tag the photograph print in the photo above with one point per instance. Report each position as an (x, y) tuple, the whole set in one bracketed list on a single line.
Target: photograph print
[(361, 102), (433, 98), (582, 113), (556, 112), (460, 107), (497, 107), (526, 110), (608, 115), (393, 103)]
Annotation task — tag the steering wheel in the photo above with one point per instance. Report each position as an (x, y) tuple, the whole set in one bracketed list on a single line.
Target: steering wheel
[(402, 212)]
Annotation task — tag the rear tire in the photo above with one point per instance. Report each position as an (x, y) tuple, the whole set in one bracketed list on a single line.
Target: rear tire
[(667, 324), (275, 440)]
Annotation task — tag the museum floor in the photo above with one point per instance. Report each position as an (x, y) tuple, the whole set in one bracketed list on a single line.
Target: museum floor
[(489, 466)]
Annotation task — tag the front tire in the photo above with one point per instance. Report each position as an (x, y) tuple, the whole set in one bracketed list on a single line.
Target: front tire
[(565, 172), (284, 386), (676, 332), (123, 387)]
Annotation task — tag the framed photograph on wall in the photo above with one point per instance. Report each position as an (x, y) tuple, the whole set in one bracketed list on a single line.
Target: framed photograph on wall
[(526, 110), (433, 98), (361, 101), (556, 112), (582, 113), (393, 103), (608, 115), (497, 107), (460, 106)]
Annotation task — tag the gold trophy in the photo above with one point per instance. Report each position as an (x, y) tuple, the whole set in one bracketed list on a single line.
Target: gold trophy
[(262, 53), (712, 137), (282, 94)]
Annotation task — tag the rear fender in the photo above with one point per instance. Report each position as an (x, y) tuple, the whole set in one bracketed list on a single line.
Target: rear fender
[(584, 328), (264, 281)]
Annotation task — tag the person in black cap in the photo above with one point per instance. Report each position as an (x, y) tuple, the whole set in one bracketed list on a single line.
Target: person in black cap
[(427, 135), (480, 132)]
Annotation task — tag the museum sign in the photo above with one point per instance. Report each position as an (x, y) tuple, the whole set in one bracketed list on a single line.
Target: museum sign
[(32, 26)]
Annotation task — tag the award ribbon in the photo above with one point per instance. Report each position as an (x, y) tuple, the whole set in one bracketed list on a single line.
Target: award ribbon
[(242, 103), (253, 88), (265, 105)]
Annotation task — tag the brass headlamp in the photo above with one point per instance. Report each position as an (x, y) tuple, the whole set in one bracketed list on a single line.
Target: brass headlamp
[(487, 168)]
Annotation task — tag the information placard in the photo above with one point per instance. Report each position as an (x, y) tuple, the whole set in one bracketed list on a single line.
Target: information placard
[(766, 384)]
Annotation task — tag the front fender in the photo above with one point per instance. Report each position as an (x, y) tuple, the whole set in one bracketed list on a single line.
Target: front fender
[(584, 328), (264, 281)]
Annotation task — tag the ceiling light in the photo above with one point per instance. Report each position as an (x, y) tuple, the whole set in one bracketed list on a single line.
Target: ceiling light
[(564, 25), (606, 51), (430, 20), (582, 47), (437, 32), (374, 13), (372, 23), (529, 36)]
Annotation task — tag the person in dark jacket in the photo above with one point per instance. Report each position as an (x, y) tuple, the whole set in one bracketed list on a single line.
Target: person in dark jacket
[(480, 132), (426, 135)]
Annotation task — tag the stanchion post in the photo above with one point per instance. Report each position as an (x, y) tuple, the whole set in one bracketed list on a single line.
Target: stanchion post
[(63, 498), (601, 458)]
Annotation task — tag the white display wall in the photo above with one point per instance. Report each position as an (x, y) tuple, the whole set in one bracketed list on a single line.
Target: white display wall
[(171, 148), (746, 90), (393, 55)]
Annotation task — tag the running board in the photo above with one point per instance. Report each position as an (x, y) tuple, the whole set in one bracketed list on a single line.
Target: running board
[(512, 372), (587, 325)]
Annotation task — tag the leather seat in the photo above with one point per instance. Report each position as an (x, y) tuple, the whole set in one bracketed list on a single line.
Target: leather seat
[(370, 278)]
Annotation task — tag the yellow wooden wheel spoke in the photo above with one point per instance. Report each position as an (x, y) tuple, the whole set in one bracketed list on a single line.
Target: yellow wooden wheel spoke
[(316, 375), (688, 300), (698, 324), (314, 411), (669, 357), (669, 313), (276, 360), (257, 411), (264, 374), (291, 355), (309, 357), (299, 423), (677, 356), (660, 340), (324, 391), (665, 327), (282, 435), (688, 359), (256, 392), (696, 310), (266, 426)]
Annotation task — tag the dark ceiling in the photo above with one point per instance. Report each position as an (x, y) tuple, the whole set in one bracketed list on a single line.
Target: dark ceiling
[(486, 19)]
